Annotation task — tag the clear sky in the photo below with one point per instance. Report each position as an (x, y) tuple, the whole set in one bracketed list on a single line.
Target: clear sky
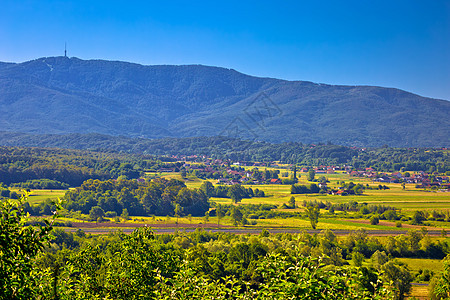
[(396, 43)]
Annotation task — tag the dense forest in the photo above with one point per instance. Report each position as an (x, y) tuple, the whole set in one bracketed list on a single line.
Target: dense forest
[(72, 167), (382, 159)]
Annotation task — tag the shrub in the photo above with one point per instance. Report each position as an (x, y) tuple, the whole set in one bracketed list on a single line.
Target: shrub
[(111, 214), (374, 220)]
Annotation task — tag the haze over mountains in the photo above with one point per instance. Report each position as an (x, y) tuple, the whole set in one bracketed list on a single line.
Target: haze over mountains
[(60, 95)]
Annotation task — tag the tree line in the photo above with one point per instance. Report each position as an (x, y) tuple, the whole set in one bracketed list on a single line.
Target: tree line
[(20, 165), (157, 197), (235, 192)]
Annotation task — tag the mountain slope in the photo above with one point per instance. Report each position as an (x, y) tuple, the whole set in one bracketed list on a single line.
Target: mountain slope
[(69, 95)]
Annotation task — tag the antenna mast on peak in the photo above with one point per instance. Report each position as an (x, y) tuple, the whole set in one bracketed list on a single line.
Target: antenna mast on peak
[(65, 49)]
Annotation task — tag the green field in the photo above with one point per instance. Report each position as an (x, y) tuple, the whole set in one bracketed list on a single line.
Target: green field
[(416, 264), (39, 196)]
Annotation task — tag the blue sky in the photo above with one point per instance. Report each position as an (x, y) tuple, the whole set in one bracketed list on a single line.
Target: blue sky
[(402, 44)]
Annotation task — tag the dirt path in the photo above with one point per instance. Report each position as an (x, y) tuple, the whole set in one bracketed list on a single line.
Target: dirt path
[(84, 225), (103, 228), (391, 224)]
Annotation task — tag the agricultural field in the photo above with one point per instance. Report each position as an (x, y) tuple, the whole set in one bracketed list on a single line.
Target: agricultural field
[(39, 196)]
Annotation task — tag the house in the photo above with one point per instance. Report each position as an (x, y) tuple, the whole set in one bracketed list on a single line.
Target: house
[(397, 174), (355, 173), (337, 192), (446, 187), (275, 181)]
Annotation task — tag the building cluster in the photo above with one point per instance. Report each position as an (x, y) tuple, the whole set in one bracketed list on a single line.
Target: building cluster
[(421, 179)]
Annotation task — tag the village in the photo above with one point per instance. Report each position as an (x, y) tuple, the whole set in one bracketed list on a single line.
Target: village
[(226, 172)]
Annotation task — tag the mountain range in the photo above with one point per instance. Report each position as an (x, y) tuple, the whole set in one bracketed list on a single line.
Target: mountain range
[(61, 95)]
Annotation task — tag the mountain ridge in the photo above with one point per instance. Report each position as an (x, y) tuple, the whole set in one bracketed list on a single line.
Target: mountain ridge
[(59, 95)]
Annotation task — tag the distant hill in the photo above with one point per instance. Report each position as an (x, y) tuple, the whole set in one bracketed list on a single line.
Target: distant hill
[(59, 95)]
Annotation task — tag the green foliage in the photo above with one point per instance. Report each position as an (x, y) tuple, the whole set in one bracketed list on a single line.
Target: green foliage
[(236, 215), (399, 277), (357, 259), (303, 189), (374, 220), (41, 184), (236, 193), (96, 213), (418, 217), (19, 244), (126, 269), (305, 278), (208, 188), (50, 168), (212, 265), (100, 164), (442, 285), (125, 215), (158, 197), (311, 174), (313, 213), (292, 202)]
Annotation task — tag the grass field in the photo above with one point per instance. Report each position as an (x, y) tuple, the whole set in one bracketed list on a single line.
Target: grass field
[(39, 196), (416, 264)]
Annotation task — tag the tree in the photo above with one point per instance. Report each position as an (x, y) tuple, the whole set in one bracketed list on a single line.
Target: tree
[(219, 213), (418, 217), (292, 202), (19, 244), (313, 213), (208, 188), (311, 175), (96, 213), (294, 176), (206, 217), (374, 220), (236, 215), (379, 259), (323, 179), (399, 276), (414, 238), (178, 211), (125, 214), (235, 192), (442, 286), (357, 258)]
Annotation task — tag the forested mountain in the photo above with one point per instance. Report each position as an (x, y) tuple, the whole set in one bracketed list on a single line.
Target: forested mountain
[(70, 95)]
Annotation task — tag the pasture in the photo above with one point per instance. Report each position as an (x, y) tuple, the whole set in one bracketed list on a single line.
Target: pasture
[(39, 196)]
